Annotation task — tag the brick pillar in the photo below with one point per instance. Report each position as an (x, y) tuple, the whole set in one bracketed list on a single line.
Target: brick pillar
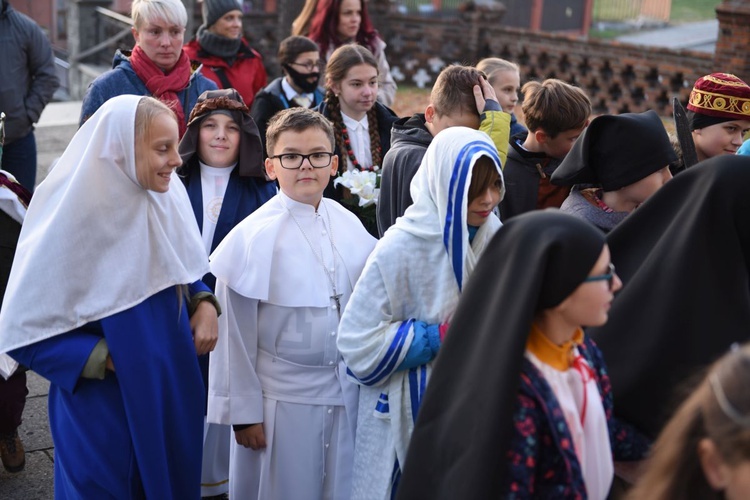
[(733, 46)]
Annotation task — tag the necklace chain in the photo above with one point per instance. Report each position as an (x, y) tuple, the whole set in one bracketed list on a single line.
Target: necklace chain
[(336, 297)]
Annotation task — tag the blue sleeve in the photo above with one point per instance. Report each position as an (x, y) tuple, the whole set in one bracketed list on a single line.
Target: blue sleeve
[(491, 105), (198, 286), (59, 359), (423, 348)]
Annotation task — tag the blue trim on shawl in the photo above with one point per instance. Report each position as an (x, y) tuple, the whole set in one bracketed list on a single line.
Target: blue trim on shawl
[(389, 361), (383, 405), (395, 478), (452, 235), (417, 386)]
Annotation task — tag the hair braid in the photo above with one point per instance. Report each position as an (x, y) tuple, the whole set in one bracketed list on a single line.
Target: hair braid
[(334, 113), (375, 149)]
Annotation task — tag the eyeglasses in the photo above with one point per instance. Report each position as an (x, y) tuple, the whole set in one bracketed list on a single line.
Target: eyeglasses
[(293, 161), (610, 277), (309, 65)]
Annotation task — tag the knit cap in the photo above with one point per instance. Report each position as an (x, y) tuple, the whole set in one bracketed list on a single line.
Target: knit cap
[(213, 10)]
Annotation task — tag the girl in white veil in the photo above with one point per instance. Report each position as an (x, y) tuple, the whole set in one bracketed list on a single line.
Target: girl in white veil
[(393, 324), (95, 303)]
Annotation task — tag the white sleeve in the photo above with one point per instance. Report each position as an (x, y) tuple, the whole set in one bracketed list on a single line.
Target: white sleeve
[(371, 342), (234, 392)]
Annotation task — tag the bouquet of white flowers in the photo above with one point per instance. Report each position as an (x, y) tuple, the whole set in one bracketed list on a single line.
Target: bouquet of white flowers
[(363, 183)]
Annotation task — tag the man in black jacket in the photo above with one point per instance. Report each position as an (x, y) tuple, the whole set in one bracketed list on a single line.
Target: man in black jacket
[(27, 83)]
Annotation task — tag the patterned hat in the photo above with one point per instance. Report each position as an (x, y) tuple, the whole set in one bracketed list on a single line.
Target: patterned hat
[(721, 95)]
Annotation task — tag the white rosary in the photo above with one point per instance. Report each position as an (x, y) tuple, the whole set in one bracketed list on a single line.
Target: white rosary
[(336, 297)]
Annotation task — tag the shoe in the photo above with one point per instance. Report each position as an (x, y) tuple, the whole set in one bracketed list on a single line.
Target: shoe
[(11, 452)]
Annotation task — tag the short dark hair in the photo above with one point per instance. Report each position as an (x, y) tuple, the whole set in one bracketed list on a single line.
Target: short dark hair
[(297, 119), (554, 106), (291, 47)]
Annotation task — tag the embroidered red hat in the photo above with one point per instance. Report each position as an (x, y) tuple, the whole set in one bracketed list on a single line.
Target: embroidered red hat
[(721, 95)]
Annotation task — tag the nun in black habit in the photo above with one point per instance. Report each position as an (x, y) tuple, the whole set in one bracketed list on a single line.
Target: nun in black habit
[(496, 418), (684, 258)]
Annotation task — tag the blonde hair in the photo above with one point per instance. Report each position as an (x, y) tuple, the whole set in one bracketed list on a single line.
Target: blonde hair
[(491, 66), (301, 24), (149, 108), (719, 409), (171, 11)]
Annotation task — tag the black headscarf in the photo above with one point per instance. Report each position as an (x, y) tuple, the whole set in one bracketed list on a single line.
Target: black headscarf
[(616, 151), (458, 448), (683, 257), (229, 101)]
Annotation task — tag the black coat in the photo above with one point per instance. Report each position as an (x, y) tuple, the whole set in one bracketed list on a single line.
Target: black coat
[(684, 259)]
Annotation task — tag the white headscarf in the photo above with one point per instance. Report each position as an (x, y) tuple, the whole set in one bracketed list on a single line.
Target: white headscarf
[(439, 213), (94, 242)]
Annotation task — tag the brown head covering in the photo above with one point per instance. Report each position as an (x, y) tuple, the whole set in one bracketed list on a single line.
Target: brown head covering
[(226, 101)]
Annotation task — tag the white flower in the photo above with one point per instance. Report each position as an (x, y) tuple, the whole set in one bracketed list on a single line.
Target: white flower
[(363, 183)]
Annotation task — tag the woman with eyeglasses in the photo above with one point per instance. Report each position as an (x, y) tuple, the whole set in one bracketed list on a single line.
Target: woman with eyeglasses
[(519, 404), (615, 166), (301, 67), (157, 65), (227, 58)]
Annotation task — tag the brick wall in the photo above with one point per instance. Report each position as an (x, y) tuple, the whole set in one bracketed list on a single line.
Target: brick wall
[(618, 77), (733, 45)]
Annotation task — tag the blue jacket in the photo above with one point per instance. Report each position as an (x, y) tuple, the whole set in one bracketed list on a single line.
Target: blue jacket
[(121, 79)]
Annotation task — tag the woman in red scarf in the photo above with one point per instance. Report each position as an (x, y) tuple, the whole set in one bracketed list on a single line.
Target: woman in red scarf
[(157, 65), (226, 56)]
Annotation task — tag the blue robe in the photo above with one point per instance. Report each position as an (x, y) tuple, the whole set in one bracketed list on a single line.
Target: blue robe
[(243, 196), (137, 433)]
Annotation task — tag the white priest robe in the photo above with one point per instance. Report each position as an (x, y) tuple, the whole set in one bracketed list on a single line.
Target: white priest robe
[(276, 360)]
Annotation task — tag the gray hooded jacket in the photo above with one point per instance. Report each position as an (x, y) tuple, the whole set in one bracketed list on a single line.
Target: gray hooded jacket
[(28, 72)]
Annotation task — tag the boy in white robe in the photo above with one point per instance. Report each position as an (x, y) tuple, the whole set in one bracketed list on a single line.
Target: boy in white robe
[(283, 276)]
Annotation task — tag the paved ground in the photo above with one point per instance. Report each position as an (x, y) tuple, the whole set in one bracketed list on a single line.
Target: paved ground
[(36, 481), (700, 36)]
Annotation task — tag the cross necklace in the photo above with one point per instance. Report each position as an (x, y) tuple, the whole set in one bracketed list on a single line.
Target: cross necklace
[(336, 297)]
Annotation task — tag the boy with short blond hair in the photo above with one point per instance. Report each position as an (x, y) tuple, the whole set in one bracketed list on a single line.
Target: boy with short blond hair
[(555, 113), (284, 275), (461, 96)]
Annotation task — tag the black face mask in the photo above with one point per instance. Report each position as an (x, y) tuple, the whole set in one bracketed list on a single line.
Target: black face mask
[(301, 79)]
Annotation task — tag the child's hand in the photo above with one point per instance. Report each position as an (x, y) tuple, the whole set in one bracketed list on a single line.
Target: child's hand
[(251, 437), (205, 326), (482, 93)]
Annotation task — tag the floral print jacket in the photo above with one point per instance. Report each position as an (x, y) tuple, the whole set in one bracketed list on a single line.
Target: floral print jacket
[(542, 459)]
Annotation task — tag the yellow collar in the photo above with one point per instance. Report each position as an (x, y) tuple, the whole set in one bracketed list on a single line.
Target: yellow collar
[(558, 357)]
